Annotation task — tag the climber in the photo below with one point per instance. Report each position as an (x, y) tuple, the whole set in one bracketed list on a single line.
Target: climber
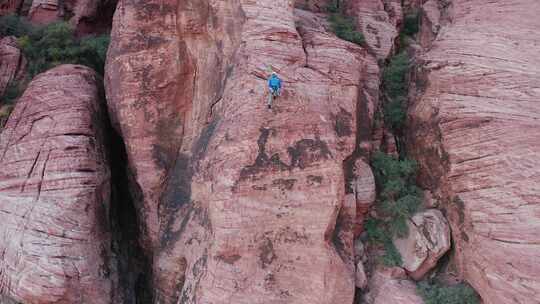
[(274, 84)]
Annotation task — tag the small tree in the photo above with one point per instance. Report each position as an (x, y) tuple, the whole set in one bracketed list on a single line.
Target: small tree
[(342, 25), (436, 293)]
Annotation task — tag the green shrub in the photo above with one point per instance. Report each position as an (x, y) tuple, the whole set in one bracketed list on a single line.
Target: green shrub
[(12, 25), (400, 198), (391, 257), (411, 23), (342, 25), (55, 44), (376, 231), (93, 52), (396, 89), (49, 47), (333, 7), (12, 92), (436, 293)]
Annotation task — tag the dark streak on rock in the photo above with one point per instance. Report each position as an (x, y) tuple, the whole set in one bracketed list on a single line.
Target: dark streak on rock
[(263, 161), (343, 121), (229, 259), (201, 144), (284, 184), (267, 255), (314, 180), (307, 151)]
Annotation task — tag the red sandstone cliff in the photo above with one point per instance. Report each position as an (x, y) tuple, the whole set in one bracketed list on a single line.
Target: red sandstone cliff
[(475, 131), (55, 193), (200, 194)]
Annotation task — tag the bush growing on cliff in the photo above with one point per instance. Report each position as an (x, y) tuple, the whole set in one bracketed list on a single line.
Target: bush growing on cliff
[(12, 92), (377, 234), (411, 23), (399, 199), (342, 25), (396, 89), (12, 25), (436, 293), (54, 44)]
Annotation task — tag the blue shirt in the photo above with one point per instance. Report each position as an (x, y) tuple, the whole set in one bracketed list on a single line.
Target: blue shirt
[(274, 82)]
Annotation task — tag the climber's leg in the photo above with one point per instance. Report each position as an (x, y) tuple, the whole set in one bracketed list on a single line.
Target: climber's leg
[(269, 102), (270, 98)]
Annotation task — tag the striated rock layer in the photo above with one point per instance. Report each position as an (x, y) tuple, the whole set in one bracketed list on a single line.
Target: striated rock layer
[(239, 203), (54, 193), (475, 130)]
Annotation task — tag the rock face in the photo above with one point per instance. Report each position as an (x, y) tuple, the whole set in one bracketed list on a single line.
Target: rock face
[(10, 7), (390, 286), (318, 6), (378, 21), (46, 11), (54, 193), (475, 132), (364, 192), (428, 240), (239, 203), (86, 16), (12, 62)]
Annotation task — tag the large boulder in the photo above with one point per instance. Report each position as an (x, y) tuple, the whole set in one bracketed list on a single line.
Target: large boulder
[(391, 286), (237, 202), (475, 132), (428, 240), (55, 242)]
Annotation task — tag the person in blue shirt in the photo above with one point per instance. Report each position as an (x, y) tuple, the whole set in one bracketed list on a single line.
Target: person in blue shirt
[(274, 84)]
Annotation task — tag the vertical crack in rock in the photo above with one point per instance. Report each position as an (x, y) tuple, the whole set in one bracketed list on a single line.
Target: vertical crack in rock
[(134, 266)]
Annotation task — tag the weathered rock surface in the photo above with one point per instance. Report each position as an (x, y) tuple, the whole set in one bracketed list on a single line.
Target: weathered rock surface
[(10, 7), (46, 11), (391, 286), (431, 22), (475, 130), (364, 193), (239, 203), (361, 280), (86, 16), (318, 6), (54, 193), (12, 62), (427, 242), (378, 21)]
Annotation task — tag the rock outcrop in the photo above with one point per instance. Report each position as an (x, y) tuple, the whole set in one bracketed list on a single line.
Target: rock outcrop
[(86, 16), (475, 130), (55, 192), (46, 11), (378, 20), (428, 240), (240, 203), (10, 7), (12, 63), (391, 286)]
